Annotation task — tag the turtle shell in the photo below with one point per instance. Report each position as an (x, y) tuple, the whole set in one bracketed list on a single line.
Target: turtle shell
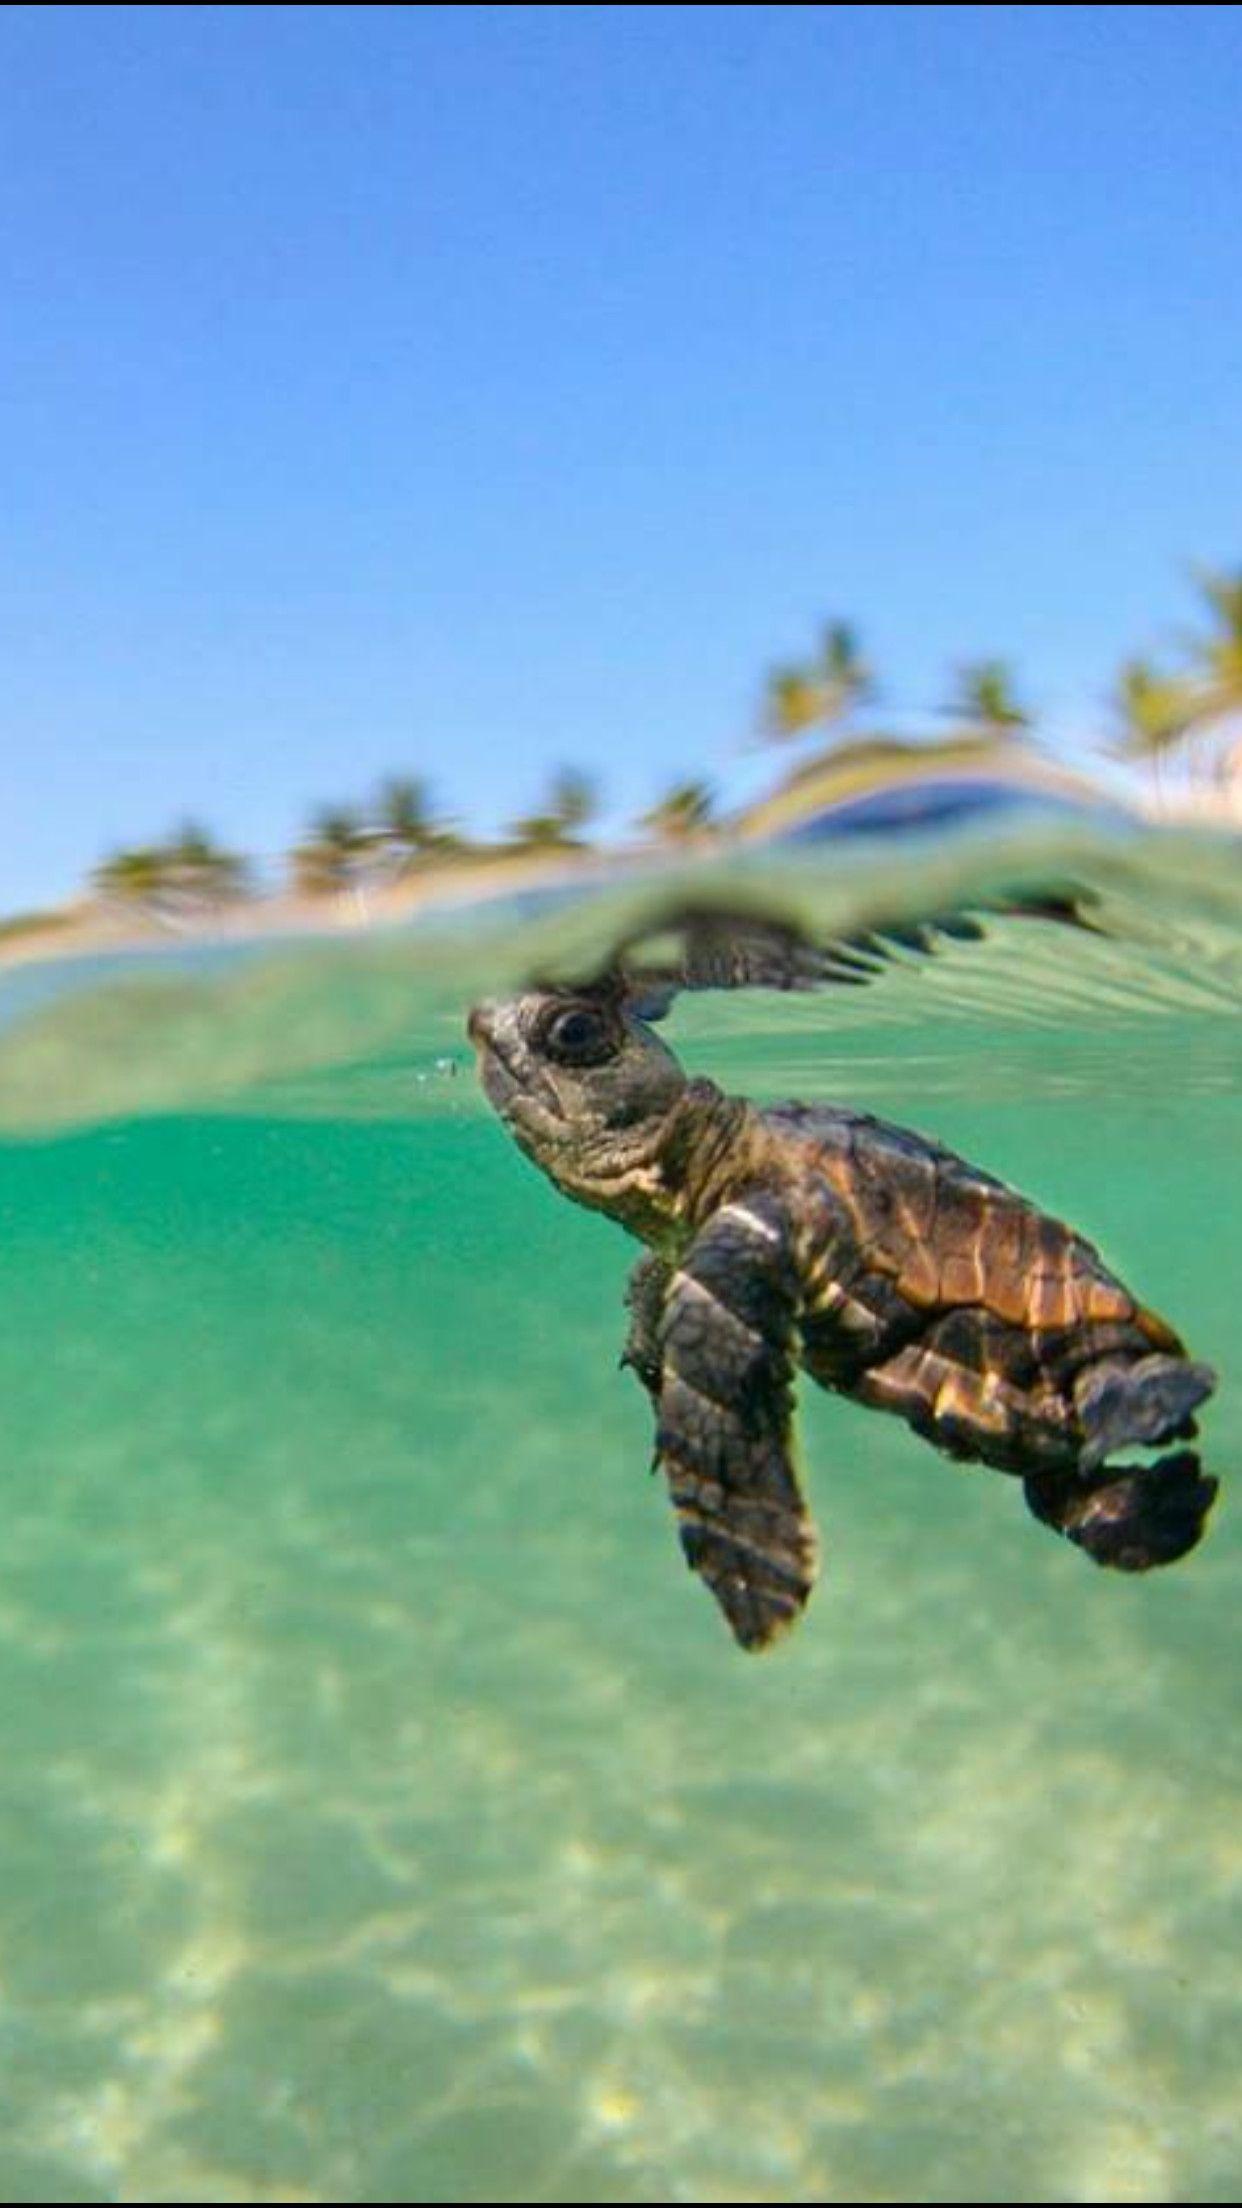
[(935, 1291)]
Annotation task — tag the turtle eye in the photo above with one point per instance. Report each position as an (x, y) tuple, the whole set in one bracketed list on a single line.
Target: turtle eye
[(579, 1036)]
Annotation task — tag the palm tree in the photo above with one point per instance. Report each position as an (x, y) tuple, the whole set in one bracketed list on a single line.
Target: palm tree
[(191, 870), (136, 877), (684, 812), (1151, 709), (791, 703), (408, 830), (825, 691), (1215, 685), (405, 821), (847, 679), (335, 855), (1220, 656), (985, 699), (571, 802), (575, 799), (200, 871)]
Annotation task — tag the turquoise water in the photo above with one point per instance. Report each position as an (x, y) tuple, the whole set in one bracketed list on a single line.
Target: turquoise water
[(384, 1811)]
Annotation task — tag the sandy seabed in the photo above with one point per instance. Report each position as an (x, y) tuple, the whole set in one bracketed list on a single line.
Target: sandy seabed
[(384, 1813)]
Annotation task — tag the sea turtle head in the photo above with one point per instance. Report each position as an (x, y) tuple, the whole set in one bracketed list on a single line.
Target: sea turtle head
[(583, 1085)]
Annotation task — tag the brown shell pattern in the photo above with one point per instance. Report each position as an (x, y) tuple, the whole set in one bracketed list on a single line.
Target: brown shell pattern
[(948, 1235)]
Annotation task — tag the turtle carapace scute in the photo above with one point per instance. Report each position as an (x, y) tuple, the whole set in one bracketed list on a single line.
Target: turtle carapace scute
[(890, 1270)]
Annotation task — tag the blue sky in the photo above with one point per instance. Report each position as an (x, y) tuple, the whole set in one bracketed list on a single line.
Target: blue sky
[(461, 390)]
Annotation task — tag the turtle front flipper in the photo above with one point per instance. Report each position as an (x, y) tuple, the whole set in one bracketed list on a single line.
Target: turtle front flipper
[(645, 1296), (724, 1413)]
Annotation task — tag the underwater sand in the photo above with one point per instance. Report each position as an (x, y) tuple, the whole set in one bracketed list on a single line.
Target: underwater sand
[(384, 1810)]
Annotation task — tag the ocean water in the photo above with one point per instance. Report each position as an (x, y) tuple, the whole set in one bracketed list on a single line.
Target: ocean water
[(384, 1810)]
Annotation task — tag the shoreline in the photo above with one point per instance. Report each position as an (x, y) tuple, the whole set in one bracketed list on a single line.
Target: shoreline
[(82, 930), (69, 933)]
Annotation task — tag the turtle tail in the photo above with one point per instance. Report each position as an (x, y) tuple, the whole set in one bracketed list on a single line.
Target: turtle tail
[(1129, 1516)]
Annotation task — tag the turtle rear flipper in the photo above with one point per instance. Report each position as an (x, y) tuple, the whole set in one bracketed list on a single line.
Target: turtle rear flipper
[(1128, 1516), (1149, 1400)]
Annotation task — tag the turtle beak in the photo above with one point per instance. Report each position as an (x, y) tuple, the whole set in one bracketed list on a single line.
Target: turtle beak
[(515, 1085), (489, 1028), (481, 1025)]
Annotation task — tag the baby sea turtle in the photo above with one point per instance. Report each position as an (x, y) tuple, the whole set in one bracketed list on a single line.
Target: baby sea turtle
[(891, 1270)]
